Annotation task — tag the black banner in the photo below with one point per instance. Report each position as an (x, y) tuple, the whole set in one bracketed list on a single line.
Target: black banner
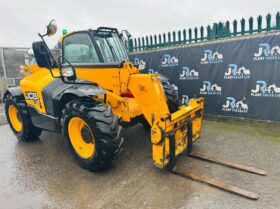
[(237, 78)]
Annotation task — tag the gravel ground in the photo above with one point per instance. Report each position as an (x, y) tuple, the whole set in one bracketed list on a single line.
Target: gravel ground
[(43, 174)]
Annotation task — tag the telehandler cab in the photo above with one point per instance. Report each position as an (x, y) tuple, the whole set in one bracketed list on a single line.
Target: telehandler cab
[(92, 91)]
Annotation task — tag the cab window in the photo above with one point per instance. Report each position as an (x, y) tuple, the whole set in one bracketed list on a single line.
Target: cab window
[(111, 48), (79, 49)]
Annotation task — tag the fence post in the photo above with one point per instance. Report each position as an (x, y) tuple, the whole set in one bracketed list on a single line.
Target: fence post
[(195, 34), (242, 26), (130, 45), (251, 25), (220, 30), (227, 29), (190, 35), (143, 43), (278, 20), (259, 19), (135, 45), (235, 27), (215, 30), (169, 38), (268, 22), (179, 37), (208, 32), (185, 36), (201, 33), (155, 39), (164, 39), (159, 40), (151, 41), (174, 38), (147, 42), (139, 45)]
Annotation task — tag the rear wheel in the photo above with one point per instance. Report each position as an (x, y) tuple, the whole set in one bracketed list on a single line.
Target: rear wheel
[(171, 94), (19, 119), (92, 133)]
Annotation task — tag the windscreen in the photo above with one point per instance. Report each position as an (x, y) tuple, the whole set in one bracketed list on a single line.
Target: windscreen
[(79, 49), (112, 48)]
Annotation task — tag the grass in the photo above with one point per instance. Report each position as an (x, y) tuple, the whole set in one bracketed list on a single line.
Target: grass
[(261, 130)]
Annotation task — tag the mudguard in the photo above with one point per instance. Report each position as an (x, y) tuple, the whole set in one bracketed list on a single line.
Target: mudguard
[(55, 95), (84, 91), (58, 93), (15, 91)]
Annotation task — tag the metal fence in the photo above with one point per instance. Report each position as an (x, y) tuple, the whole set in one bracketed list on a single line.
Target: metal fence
[(11, 60), (201, 34)]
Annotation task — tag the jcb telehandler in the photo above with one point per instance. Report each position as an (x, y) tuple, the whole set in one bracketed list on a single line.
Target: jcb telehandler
[(92, 91)]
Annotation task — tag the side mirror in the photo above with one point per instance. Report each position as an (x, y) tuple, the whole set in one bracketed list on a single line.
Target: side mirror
[(42, 55), (51, 28), (67, 71)]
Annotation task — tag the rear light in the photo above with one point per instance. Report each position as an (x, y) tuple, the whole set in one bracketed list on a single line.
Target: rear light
[(127, 94)]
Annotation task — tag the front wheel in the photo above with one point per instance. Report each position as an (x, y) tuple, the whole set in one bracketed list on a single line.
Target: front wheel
[(19, 119), (92, 133)]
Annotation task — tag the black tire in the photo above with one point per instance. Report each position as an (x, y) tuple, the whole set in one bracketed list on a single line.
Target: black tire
[(28, 132), (107, 133), (172, 100)]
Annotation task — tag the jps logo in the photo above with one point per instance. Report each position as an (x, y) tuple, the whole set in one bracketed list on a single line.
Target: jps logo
[(210, 57), (152, 71), (267, 53), (237, 73), (140, 63), (168, 61), (31, 96), (185, 99), (209, 89), (233, 106), (188, 74), (263, 90)]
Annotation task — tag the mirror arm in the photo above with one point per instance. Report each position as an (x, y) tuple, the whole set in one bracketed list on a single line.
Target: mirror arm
[(41, 36), (50, 53)]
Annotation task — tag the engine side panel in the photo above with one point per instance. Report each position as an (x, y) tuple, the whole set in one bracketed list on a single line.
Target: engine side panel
[(32, 86)]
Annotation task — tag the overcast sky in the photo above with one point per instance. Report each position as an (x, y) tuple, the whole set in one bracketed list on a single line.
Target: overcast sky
[(21, 20)]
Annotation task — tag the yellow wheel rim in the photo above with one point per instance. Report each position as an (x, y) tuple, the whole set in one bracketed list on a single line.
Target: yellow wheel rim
[(15, 118), (81, 137)]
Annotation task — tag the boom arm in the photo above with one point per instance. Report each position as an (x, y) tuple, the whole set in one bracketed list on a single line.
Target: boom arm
[(181, 126)]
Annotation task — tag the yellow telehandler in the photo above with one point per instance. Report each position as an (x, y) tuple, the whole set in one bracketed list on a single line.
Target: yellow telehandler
[(92, 91)]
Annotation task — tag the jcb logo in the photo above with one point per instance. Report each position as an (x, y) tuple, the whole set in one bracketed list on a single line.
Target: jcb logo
[(31, 96)]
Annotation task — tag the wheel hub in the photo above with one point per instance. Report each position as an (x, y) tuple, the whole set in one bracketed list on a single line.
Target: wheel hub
[(18, 116), (81, 137), (86, 135)]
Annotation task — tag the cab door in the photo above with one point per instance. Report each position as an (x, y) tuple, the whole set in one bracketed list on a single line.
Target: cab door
[(85, 55)]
